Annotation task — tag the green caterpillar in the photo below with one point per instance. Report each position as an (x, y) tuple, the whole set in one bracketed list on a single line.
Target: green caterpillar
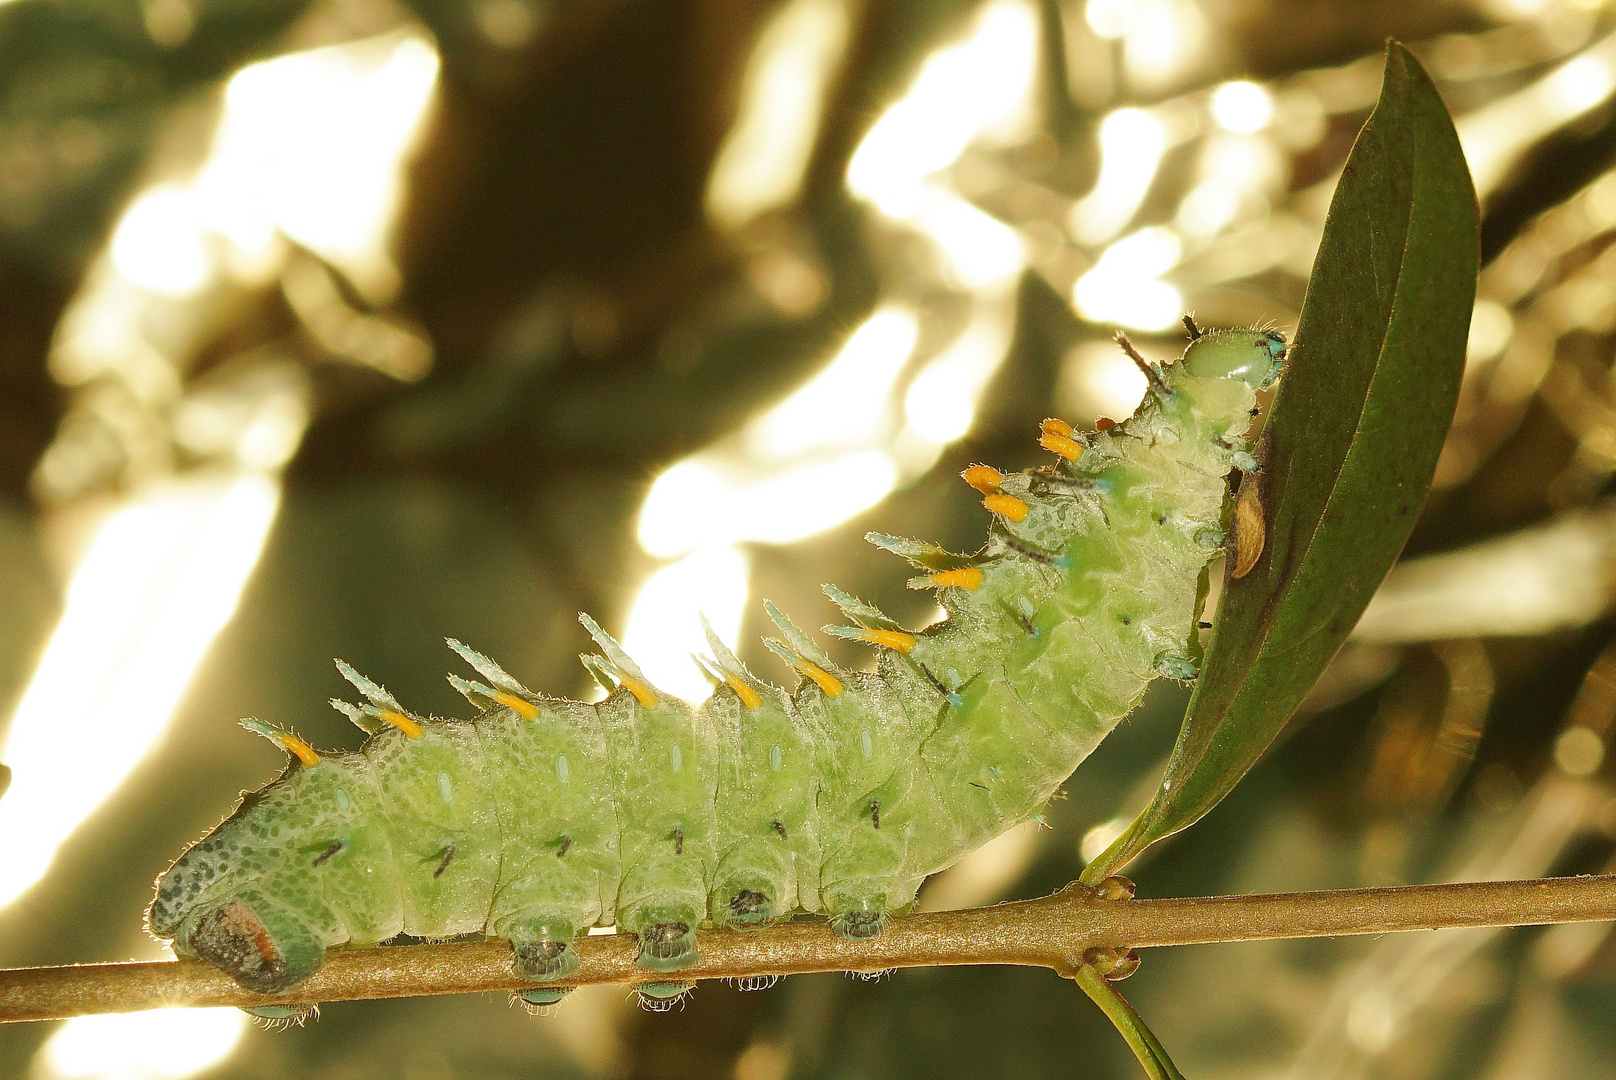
[(543, 817)]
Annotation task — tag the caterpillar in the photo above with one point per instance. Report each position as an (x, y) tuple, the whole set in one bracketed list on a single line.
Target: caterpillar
[(543, 817)]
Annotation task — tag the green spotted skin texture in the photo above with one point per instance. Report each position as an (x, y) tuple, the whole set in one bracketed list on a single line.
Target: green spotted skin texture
[(542, 817)]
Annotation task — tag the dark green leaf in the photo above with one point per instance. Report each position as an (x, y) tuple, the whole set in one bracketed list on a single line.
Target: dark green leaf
[(1350, 447)]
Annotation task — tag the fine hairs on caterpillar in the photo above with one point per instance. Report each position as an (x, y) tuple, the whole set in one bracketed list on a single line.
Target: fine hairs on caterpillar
[(543, 817)]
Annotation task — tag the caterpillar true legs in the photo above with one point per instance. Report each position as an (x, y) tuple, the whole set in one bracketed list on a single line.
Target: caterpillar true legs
[(544, 817)]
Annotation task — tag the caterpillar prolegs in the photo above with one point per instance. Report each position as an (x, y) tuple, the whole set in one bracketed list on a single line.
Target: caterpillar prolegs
[(543, 817)]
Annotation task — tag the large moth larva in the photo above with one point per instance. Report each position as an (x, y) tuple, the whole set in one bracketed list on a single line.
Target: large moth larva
[(543, 817)]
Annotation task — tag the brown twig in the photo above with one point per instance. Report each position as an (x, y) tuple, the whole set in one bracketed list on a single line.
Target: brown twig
[(1052, 932)]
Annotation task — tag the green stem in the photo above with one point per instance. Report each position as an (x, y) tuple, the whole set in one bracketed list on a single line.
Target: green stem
[(1143, 1043)]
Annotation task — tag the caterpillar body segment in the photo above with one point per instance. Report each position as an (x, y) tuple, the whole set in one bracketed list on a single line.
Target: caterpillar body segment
[(767, 799), (543, 817), (559, 841)]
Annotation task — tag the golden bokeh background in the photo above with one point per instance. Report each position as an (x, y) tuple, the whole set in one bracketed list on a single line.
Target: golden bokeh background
[(336, 327)]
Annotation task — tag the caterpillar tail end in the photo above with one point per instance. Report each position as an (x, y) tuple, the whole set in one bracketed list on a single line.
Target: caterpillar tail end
[(261, 947)]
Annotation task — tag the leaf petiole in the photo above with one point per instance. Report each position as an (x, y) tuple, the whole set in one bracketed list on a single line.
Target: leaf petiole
[(1141, 1040)]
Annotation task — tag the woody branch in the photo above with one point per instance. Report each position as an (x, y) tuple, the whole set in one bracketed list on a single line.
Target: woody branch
[(1053, 932)]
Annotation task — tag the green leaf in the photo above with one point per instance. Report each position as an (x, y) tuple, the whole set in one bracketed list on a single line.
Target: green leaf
[(1349, 448)]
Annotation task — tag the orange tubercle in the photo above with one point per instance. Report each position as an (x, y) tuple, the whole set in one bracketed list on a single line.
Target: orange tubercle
[(1008, 505), (826, 681), (404, 723), (891, 639), (1104, 423), (966, 577), (523, 708), (1064, 445), (984, 478), (298, 749), (1052, 426), (640, 691), (749, 697)]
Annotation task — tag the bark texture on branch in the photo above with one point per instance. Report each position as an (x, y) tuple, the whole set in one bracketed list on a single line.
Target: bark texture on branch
[(1052, 932)]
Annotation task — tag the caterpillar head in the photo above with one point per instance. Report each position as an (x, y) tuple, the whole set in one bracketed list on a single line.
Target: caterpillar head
[(1255, 357), (209, 904)]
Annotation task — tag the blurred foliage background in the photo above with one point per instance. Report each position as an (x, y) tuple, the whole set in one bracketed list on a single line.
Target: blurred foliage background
[(333, 327)]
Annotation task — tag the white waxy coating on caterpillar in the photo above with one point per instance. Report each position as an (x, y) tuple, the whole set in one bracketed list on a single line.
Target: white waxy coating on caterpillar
[(543, 817)]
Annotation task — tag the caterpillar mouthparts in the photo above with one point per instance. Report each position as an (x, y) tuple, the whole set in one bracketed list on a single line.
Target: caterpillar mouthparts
[(542, 817)]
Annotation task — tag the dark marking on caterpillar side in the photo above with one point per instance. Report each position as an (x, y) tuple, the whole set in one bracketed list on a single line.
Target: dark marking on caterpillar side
[(780, 827), (1204, 625), (448, 854), (678, 841), (974, 784), (1066, 485), (566, 842), (1026, 623), (336, 846), (1030, 552), (1127, 620), (934, 680), (875, 812)]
